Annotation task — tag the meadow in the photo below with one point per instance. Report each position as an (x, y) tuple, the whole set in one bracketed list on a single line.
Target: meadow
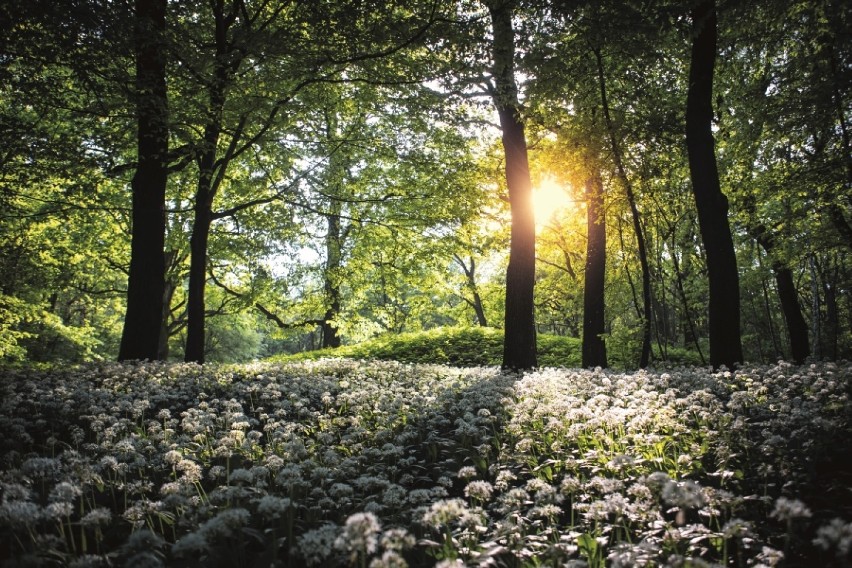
[(341, 462)]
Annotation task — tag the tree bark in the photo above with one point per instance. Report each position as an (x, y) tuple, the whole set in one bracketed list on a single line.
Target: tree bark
[(333, 260), (519, 346), (711, 203), (797, 328), (146, 281), (470, 278), (594, 348), (645, 356), (210, 175)]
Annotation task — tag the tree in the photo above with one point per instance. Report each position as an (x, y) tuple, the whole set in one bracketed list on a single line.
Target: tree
[(594, 348), (519, 351), (711, 204), (146, 282)]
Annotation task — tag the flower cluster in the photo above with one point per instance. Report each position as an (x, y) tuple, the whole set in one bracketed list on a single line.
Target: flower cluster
[(348, 463)]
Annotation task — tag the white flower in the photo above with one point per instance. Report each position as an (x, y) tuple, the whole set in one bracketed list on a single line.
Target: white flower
[(467, 472), (273, 507), (189, 545), (317, 545), (836, 535), (24, 513), (479, 491), (64, 492), (445, 512), (99, 516), (788, 509), (360, 535), (389, 559)]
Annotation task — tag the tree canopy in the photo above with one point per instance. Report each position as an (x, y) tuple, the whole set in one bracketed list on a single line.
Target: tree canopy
[(233, 179)]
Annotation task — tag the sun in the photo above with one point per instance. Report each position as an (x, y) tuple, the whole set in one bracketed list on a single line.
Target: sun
[(550, 198)]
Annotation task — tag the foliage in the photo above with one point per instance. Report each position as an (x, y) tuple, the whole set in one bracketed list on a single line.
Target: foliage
[(343, 463), (458, 346)]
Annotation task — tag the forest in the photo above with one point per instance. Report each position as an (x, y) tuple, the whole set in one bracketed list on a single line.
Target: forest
[(389, 283), (231, 180)]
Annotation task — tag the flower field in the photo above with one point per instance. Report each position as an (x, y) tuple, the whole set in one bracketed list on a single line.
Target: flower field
[(352, 463)]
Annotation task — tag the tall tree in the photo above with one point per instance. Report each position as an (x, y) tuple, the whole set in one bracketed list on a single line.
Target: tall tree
[(711, 204), (594, 348), (146, 282), (519, 350), (621, 173)]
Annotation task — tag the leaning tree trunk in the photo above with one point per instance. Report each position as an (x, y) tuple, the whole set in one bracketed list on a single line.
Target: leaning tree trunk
[(711, 204), (594, 348), (470, 279), (146, 282), (645, 357), (519, 346)]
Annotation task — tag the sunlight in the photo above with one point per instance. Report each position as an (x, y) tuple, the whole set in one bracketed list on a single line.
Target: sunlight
[(549, 199)]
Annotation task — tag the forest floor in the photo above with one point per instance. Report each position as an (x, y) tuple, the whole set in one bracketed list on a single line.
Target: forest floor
[(354, 463)]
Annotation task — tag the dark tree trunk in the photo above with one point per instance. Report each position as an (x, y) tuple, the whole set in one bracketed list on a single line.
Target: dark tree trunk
[(711, 204), (519, 346), (195, 309), (146, 282), (333, 260), (476, 301), (169, 289), (594, 348), (645, 357), (797, 328), (211, 172)]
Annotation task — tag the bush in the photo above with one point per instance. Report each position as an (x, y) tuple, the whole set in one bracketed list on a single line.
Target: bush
[(458, 346)]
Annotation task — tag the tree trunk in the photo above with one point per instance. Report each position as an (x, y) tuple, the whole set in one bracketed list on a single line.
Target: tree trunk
[(711, 204), (797, 328), (146, 281), (210, 175), (476, 302), (195, 310), (645, 357), (333, 260), (519, 346), (594, 348)]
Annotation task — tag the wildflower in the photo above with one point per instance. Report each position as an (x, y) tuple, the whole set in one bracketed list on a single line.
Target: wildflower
[(359, 536), (389, 559), (467, 472), (190, 545), (41, 468), (789, 509), (397, 539), (96, 517), (686, 494), (570, 485), (20, 513), (172, 457), (64, 492), (836, 535), (503, 479), (225, 523), (479, 491), (273, 507), (444, 512), (736, 528), (770, 557), (59, 510), (317, 545)]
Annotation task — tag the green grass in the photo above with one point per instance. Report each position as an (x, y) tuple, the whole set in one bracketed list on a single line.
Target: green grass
[(461, 347)]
